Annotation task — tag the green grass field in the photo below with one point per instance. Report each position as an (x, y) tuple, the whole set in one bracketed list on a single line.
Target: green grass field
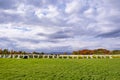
[(59, 69)]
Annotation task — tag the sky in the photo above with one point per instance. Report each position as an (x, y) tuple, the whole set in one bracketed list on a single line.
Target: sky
[(59, 25)]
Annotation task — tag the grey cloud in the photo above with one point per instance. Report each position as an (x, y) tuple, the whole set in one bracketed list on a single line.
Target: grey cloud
[(58, 35), (7, 43), (114, 19), (61, 35), (37, 41), (41, 34), (4, 39), (7, 4), (6, 18), (43, 3), (28, 40), (112, 34), (114, 4), (63, 48)]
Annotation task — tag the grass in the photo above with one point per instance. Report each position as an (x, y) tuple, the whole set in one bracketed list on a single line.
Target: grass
[(59, 69)]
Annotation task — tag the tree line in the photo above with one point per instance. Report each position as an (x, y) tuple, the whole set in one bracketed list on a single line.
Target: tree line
[(95, 51), (79, 52), (6, 51)]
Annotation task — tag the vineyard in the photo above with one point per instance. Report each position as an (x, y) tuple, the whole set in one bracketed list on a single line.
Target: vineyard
[(59, 69)]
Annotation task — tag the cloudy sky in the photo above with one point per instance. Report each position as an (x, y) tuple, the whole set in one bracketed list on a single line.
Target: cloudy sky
[(59, 25)]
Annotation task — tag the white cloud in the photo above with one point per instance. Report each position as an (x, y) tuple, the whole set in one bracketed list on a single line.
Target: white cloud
[(72, 7), (72, 24), (49, 12), (89, 13)]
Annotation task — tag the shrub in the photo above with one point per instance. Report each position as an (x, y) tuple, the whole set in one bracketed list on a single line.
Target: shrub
[(64, 57), (55, 56), (25, 57), (50, 56), (116, 56), (70, 57), (89, 57), (8, 56), (94, 56), (16, 56), (60, 57), (80, 57), (85, 57), (75, 57), (40, 56), (102, 56), (107, 57), (45, 56), (30, 56), (99, 57), (35, 56)]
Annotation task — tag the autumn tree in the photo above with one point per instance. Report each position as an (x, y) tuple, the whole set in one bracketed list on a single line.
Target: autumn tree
[(65, 53), (101, 51), (86, 52), (115, 52), (75, 53), (0, 51)]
